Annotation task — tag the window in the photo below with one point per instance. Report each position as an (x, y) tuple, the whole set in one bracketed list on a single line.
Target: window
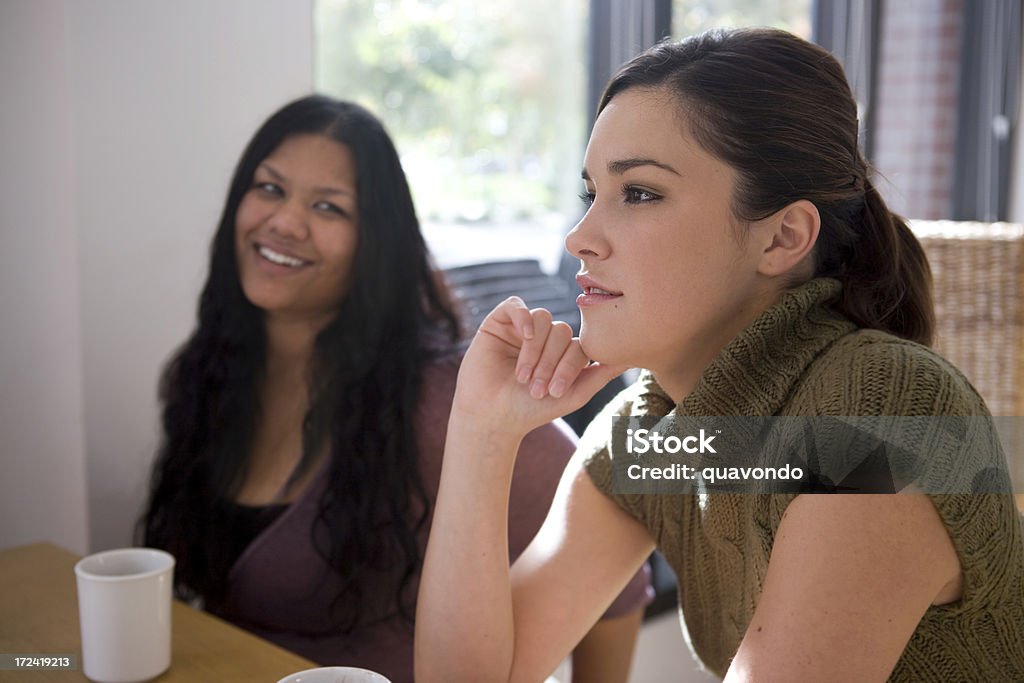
[(486, 104), (694, 16)]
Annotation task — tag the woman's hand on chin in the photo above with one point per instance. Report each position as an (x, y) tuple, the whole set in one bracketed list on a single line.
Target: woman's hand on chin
[(523, 370)]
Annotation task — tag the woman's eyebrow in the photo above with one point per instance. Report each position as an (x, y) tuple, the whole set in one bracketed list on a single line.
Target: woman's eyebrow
[(271, 170), (622, 165), (321, 190), (333, 190)]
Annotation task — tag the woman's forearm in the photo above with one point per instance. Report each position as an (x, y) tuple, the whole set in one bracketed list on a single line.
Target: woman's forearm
[(605, 655), (522, 370), (464, 624)]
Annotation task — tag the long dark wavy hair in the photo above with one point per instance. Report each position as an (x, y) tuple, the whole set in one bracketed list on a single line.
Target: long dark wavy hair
[(779, 111), (364, 383)]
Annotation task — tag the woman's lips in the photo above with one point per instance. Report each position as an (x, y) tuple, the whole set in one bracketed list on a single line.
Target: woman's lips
[(594, 298), (593, 291), (278, 258)]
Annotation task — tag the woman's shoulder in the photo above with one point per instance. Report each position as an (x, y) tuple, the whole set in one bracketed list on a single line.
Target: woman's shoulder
[(870, 372)]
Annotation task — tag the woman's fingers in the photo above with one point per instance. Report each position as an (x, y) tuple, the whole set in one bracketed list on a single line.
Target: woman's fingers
[(559, 363), (510, 320), (549, 360), (535, 350)]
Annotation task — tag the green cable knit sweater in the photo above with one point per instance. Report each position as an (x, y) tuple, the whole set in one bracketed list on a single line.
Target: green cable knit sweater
[(800, 357)]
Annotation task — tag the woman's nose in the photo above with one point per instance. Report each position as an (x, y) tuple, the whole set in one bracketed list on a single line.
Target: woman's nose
[(584, 240), (290, 220)]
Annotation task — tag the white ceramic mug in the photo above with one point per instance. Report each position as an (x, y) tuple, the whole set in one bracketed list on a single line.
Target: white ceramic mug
[(335, 674), (124, 607)]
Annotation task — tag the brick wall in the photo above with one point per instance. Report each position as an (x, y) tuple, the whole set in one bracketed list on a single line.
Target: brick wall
[(915, 105)]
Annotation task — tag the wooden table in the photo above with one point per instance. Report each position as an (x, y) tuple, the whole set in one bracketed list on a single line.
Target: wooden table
[(39, 615)]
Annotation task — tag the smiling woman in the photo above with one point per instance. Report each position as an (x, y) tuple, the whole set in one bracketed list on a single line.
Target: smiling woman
[(297, 229)]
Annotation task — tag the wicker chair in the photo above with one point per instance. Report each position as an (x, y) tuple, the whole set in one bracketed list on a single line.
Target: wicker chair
[(978, 271)]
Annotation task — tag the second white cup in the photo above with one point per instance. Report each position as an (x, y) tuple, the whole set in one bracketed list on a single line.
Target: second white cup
[(124, 608), (335, 674)]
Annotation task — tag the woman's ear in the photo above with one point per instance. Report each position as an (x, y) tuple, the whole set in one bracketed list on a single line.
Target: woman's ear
[(793, 232)]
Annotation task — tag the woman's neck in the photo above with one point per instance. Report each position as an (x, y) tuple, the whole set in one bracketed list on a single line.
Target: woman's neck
[(277, 442), (289, 350), (681, 373)]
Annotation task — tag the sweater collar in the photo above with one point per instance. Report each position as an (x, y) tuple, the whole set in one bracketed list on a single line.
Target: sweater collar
[(755, 373)]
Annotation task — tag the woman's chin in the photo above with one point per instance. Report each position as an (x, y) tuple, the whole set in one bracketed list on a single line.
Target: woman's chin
[(598, 349)]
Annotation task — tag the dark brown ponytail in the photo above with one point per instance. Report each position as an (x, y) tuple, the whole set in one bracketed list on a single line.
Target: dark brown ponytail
[(887, 283), (779, 111)]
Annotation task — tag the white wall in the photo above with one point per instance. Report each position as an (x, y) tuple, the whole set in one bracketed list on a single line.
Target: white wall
[(129, 117), (42, 434)]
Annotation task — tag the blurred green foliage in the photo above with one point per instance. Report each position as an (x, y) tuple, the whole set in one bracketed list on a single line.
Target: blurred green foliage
[(693, 16), (485, 100)]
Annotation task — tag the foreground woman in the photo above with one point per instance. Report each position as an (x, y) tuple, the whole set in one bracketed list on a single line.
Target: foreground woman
[(736, 249)]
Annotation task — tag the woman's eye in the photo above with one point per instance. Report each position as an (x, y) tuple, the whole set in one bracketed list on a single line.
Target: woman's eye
[(638, 195), (330, 208), (587, 198), (268, 188)]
